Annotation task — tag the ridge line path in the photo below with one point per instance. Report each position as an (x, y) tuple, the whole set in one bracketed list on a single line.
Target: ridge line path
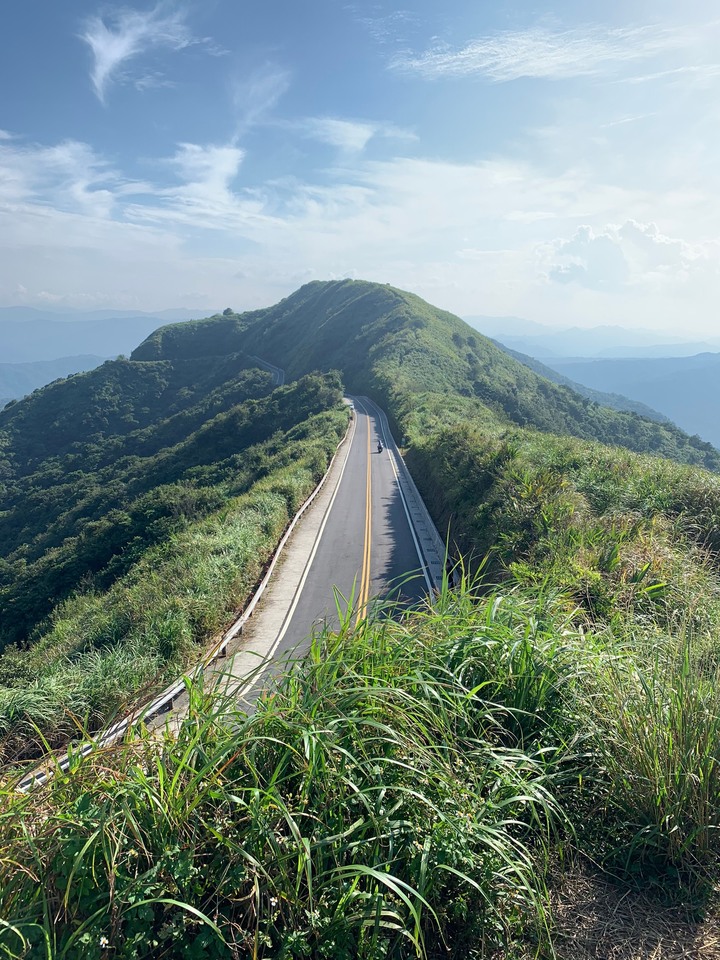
[(366, 535)]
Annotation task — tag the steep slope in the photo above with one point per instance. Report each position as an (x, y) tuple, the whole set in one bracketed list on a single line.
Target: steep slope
[(418, 361), (19, 379), (616, 401), (138, 504), (687, 389)]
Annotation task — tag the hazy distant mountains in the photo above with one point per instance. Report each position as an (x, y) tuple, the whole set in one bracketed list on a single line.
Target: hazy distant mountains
[(687, 389), (680, 379), (19, 379), (34, 313), (541, 341), (38, 346), (28, 335), (616, 401)]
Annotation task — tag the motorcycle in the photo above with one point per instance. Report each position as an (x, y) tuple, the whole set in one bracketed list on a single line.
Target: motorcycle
[(379, 447)]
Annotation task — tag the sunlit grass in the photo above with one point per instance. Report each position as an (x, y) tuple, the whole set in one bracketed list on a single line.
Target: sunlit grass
[(393, 795)]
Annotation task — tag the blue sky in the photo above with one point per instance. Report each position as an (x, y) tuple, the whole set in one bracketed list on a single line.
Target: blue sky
[(555, 161)]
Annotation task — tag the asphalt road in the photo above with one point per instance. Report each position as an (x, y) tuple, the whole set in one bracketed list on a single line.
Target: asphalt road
[(365, 552), (362, 550)]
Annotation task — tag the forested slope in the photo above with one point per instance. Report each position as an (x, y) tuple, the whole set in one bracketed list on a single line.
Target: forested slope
[(139, 502)]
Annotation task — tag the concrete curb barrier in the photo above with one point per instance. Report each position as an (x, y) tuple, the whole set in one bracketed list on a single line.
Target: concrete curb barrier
[(427, 539), (163, 702)]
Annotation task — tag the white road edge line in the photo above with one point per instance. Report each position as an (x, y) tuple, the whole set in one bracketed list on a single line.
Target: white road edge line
[(389, 446), (238, 691), (38, 777)]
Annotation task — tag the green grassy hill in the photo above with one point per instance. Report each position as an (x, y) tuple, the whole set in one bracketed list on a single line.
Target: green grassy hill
[(413, 357), (424, 784), (120, 481)]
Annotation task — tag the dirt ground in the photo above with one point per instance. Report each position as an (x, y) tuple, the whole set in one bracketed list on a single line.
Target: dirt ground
[(596, 920)]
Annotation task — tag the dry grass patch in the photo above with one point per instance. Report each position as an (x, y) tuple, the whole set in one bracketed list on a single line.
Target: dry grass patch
[(595, 919)]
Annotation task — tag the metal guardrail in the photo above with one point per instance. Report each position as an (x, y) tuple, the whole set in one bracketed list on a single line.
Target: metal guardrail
[(277, 372), (430, 552)]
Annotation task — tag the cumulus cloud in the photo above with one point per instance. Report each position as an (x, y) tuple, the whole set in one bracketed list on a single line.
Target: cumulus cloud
[(542, 53), (631, 254), (594, 260), (129, 33)]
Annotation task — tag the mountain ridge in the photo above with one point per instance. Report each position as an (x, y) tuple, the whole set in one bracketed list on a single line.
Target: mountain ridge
[(392, 344)]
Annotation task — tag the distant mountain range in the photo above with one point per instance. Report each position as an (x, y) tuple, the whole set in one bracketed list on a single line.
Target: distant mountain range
[(22, 314), (19, 379), (615, 401), (641, 370), (687, 389), (39, 337), (538, 340)]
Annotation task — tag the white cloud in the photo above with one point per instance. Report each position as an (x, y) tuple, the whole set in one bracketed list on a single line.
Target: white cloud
[(255, 96), (542, 53), (633, 254), (350, 136), (390, 28), (472, 237), (128, 34)]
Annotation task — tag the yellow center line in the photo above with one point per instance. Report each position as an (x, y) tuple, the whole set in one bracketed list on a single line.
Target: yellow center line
[(364, 595)]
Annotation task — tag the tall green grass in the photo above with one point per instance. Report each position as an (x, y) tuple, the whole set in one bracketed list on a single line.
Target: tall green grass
[(656, 720), (392, 796), (400, 792), (103, 649)]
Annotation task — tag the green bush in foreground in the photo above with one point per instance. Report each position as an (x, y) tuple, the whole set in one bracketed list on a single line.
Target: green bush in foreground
[(399, 793), (392, 797)]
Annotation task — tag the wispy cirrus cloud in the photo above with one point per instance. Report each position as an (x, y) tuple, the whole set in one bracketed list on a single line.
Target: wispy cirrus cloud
[(390, 28), (127, 34), (255, 95), (350, 136), (542, 53)]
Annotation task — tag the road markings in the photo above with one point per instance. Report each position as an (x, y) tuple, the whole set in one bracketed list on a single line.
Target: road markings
[(390, 444), (364, 595)]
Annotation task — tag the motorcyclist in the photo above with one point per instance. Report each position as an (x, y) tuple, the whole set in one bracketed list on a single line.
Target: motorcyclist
[(380, 446)]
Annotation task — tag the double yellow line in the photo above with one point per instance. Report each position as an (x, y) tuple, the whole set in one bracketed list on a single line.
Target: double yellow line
[(364, 594)]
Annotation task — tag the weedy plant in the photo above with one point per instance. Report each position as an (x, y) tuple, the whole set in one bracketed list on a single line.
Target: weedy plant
[(391, 796), (399, 792), (657, 722)]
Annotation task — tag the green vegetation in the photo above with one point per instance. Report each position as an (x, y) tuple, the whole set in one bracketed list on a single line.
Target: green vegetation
[(412, 787), (401, 350), (197, 497), (402, 792), (615, 531)]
